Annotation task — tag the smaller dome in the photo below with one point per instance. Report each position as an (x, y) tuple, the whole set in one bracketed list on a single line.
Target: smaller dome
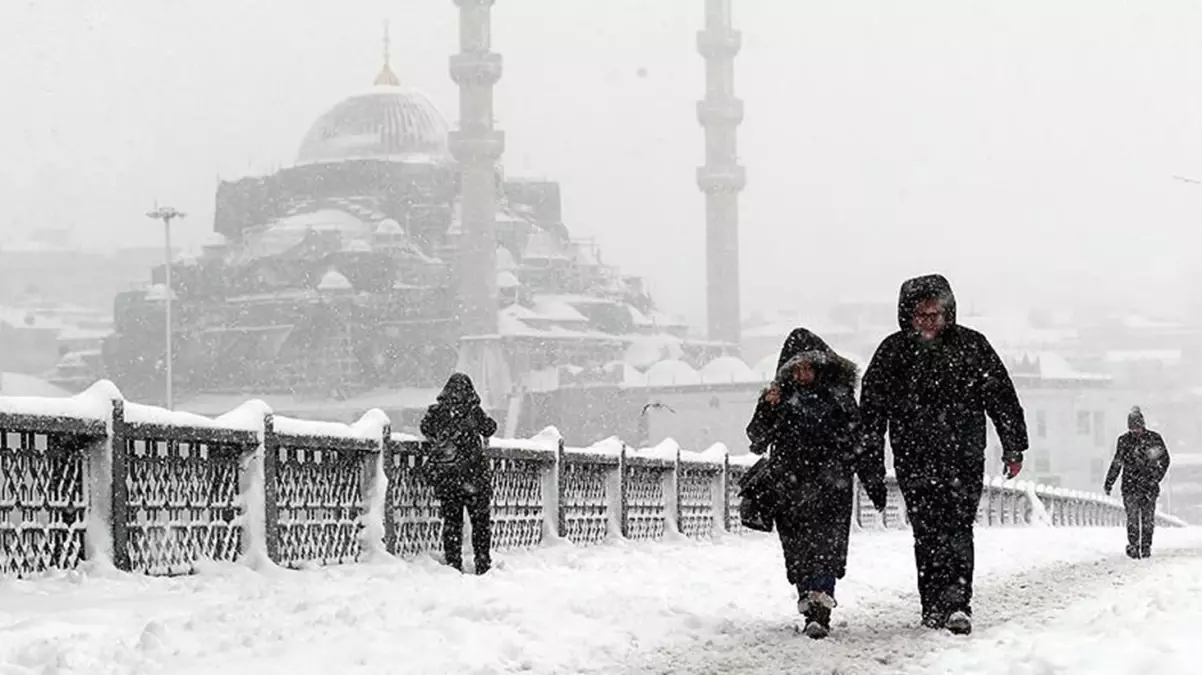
[(390, 227), (334, 281), (725, 369), (630, 376), (672, 373)]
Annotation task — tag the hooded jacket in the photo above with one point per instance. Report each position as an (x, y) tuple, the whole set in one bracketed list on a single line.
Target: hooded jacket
[(932, 397), (456, 416), (1142, 458), (814, 433)]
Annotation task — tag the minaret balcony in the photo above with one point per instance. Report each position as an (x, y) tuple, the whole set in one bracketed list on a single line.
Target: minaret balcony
[(476, 145), (476, 68), (718, 111), (717, 43), (721, 178)]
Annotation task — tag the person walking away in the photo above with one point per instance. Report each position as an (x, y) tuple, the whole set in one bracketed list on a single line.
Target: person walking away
[(809, 419), (930, 385), (457, 421), (1143, 459)]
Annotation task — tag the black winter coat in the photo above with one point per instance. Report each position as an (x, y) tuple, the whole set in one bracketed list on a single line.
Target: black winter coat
[(457, 416), (814, 435), (932, 397), (1143, 459)]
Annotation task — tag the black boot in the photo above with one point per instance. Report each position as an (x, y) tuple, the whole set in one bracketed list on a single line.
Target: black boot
[(816, 608), (959, 622)]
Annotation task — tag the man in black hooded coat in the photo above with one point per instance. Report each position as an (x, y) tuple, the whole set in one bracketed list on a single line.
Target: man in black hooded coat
[(456, 417), (930, 385)]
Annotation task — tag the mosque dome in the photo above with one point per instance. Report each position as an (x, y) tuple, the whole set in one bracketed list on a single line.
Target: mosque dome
[(388, 122)]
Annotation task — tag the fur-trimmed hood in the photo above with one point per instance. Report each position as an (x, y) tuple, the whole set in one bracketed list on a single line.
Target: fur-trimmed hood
[(803, 346), (831, 369)]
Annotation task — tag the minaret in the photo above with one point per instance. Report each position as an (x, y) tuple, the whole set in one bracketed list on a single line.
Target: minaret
[(477, 146), (721, 178)]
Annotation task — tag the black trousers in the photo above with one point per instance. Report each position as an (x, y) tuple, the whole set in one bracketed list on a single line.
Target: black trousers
[(942, 518), (479, 510), (1141, 521)]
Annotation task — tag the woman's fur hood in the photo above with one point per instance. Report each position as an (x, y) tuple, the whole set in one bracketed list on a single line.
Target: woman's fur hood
[(804, 346), (831, 369)]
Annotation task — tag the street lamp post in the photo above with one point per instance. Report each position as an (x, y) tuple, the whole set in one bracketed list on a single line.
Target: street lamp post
[(167, 214)]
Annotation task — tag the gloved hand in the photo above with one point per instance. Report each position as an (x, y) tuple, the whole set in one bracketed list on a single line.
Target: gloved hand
[(1012, 470), (877, 493), (1106, 489)]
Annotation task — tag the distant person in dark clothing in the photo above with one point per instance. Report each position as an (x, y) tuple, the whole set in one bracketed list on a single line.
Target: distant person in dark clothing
[(457, 423), (930, 385), (809, 419), (1143, 459)]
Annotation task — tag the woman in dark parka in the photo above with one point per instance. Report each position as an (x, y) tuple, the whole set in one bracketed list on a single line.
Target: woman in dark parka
[(456, 416), (809, 418)]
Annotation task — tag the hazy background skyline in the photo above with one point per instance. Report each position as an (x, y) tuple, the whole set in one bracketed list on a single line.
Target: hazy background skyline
[(1025, 149)]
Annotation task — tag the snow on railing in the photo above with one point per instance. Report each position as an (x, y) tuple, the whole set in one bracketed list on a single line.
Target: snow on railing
[(95, 480)]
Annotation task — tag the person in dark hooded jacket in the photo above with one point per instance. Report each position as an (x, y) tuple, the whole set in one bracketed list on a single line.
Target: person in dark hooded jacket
[(931, 385), (456, 417), (1143, 460), (810, 420)]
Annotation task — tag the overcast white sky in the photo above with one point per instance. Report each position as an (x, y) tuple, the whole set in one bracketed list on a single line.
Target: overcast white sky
[(1023, 147)]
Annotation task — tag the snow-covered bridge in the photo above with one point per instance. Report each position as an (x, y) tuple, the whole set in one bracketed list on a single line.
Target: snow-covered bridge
[(311, 546), (1050, 600)]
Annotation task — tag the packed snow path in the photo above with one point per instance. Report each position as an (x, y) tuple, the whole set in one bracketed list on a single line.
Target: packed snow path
[(1048, 601)]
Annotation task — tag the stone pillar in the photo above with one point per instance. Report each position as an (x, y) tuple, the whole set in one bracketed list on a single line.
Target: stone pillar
[(477, 146), (721, 178)]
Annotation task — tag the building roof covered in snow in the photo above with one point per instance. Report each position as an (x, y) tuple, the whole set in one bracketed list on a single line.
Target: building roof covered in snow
[(17, 384)]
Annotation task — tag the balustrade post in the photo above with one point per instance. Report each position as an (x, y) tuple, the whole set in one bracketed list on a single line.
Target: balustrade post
[(620, 493), (119, 492), (389, 464), (718, 499), (271, 493), (554, 516), (671, 482), (372, 475), (725, 480)]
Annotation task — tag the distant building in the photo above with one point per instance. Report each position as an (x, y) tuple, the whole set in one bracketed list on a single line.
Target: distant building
[(1073, 419), (338, 283)]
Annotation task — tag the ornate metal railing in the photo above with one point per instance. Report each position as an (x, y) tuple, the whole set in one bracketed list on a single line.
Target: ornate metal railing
[(700, 499), (315, 488), (585, 497), (161, 493), (43, 491), (176, 494)]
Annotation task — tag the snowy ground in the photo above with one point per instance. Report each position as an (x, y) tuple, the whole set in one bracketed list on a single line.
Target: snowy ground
[(1049, 601)]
